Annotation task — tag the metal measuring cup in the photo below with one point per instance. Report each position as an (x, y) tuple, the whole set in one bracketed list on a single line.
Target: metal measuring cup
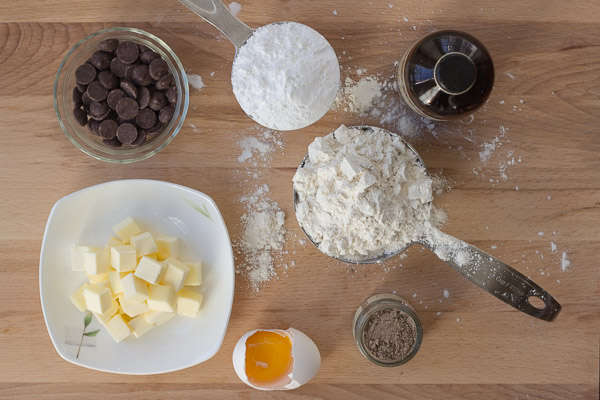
[(238, 33), (483, 269)]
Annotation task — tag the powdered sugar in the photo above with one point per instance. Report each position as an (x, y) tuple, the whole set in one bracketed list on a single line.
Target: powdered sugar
[(286, 76)]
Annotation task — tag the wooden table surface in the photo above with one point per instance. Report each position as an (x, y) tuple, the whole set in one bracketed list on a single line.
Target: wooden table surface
[(546, 95)]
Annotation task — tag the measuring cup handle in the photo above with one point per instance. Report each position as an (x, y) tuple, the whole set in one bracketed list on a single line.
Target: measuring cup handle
[(496, 277), (218, 15)]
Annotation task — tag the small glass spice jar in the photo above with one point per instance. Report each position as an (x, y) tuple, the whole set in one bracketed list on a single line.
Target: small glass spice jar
[(391, 316), (446, 75)]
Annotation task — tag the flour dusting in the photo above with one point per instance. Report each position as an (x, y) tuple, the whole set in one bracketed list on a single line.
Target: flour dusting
[(195, 81), (363, 196)]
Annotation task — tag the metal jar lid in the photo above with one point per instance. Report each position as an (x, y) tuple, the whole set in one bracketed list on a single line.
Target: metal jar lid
[(446, 75)]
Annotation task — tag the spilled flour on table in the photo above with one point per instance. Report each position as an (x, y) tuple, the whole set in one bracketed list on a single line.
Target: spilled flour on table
[(195, 81), (375, 98), (235, 7), (260, 247), (262, 236)]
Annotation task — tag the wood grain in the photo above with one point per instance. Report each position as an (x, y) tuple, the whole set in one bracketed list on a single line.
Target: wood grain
[(477, 347)]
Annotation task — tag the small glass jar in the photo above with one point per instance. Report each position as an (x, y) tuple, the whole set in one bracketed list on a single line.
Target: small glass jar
[(446, 75), (376, 303)]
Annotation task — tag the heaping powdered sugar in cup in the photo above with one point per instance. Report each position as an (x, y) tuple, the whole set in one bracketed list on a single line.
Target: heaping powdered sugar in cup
[(286, 76)]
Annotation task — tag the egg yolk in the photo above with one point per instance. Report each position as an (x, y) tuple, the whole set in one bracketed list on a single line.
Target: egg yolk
[(268, 356)]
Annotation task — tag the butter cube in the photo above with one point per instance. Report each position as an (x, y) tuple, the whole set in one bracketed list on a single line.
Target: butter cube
[(158, 317), (144, 244), (113, 241), (134, 288), (150, 270), (97, 298), (168, 246), (176, 273), (100, 279), (97, 261), (153, 256), (139, 326), (162, 298), (106, 316), (125, 317), (114, 277), (78, 299), (78, 257), (188, 303), (132, 308), (194, 278), (126, 229), (118, 328), (123, 258)]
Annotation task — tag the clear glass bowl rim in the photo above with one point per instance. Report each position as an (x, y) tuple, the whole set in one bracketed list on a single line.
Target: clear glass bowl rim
[(183, 107), (379, 302)]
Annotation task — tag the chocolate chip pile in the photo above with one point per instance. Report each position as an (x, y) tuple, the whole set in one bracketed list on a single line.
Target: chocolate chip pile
[(124, 93)]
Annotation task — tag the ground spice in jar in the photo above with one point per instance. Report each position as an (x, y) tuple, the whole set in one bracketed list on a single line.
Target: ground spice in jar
[(389, 335)]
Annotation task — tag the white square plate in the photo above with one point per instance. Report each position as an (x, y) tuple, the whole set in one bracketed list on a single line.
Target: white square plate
[(86, 217)]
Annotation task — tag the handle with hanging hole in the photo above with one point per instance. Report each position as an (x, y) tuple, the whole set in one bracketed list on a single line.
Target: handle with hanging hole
[(498, 279)]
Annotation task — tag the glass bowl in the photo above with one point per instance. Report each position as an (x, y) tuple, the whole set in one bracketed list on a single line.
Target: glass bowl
[(79, 135)]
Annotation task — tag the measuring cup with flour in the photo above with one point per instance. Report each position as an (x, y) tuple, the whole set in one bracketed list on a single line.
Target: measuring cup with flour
[(285, 75), (363, 195)]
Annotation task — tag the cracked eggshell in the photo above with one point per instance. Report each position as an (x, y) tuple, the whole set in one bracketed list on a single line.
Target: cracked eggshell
[(306, 361)]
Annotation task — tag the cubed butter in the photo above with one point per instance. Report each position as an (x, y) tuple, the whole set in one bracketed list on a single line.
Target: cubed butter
[(168, 246), (134, 288), (175, 274), (118, 328), (114, 277), (126, 229), (113, 241), (139, 326), (144, 244), (188, 303), (78, 257), (194, 278), (132, 308), (123, 258), (97, 298), (158, 317), (97, 261), (78, 299), (162, 298), (153, 256), (106, 316), (100, 279), (150, 270)]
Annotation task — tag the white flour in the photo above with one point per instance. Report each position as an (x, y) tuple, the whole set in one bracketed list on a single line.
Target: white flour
[(364, 194), (195, 81), (286, 76), (235, 7), (362, 95), (262, 233), (376, 99), (259, 248)]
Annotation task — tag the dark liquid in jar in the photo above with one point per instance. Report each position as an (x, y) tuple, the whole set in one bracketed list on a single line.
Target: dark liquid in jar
[(446, 75)]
